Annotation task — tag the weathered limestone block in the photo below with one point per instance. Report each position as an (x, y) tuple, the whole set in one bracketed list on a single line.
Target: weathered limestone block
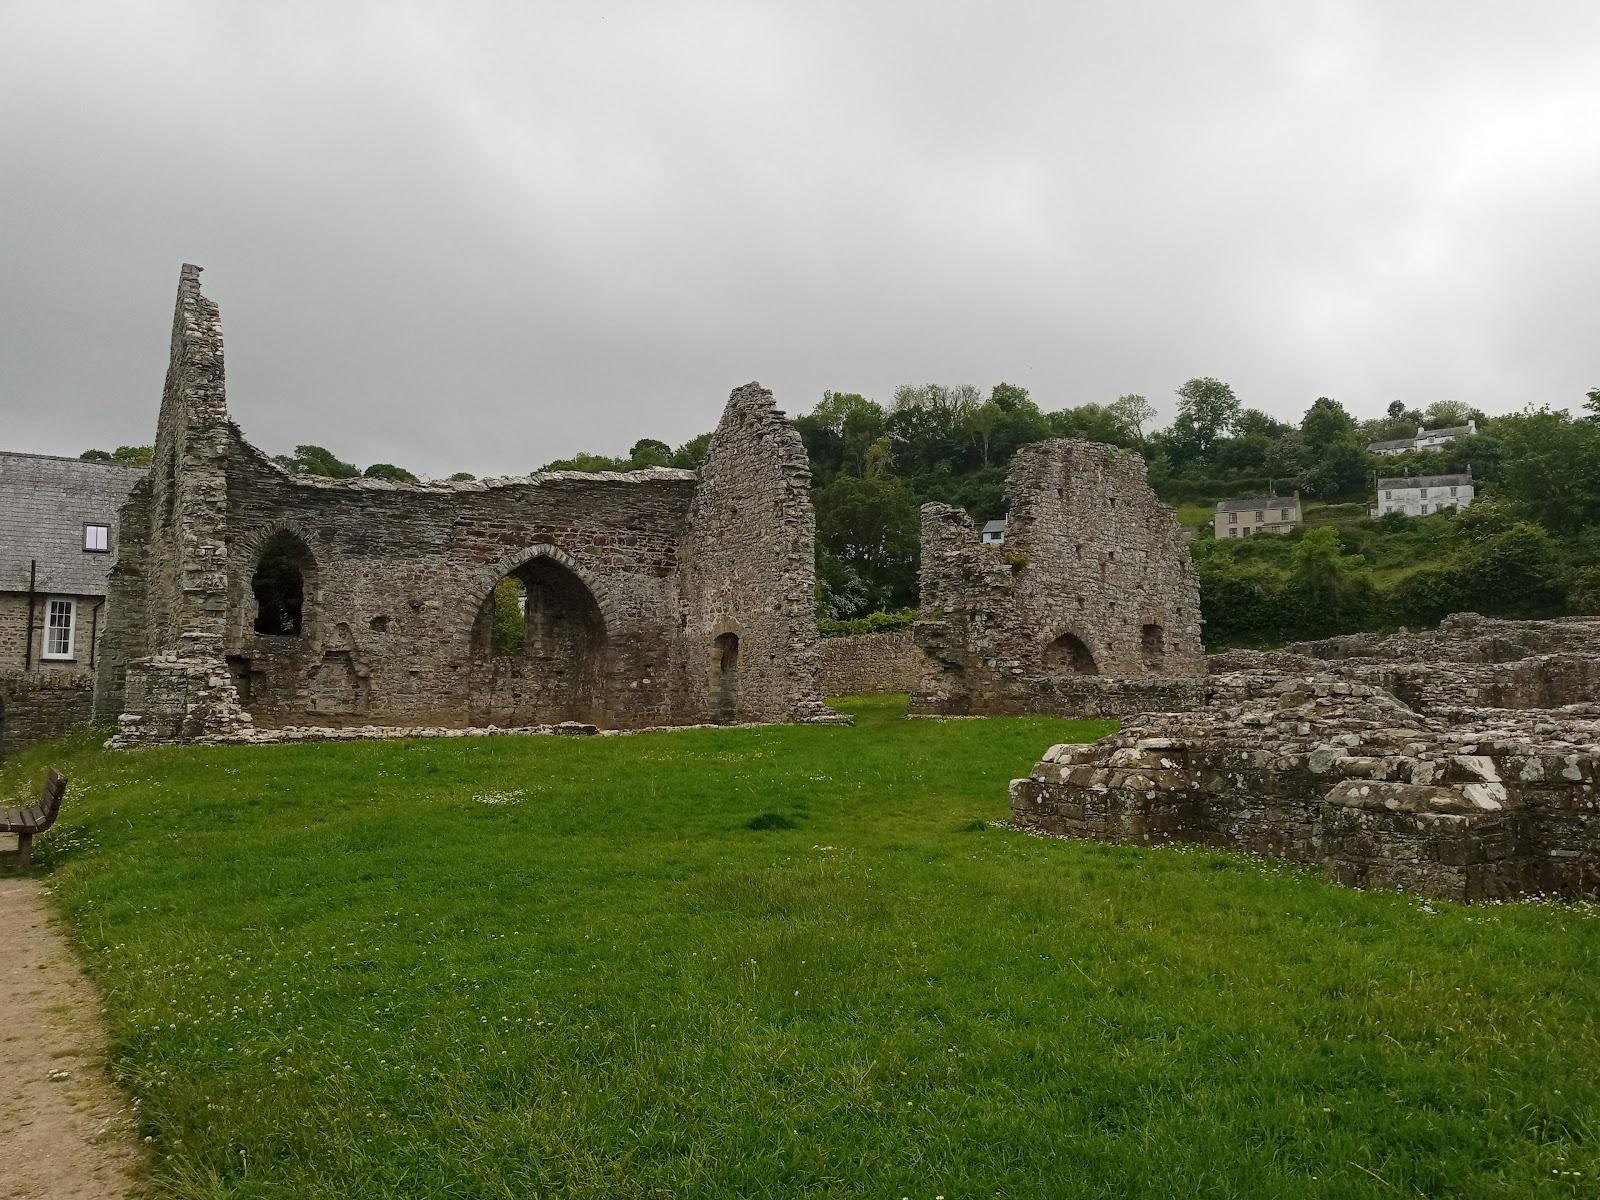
[(1323, 770)]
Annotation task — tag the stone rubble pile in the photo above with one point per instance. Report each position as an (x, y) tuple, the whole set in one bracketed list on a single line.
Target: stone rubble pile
[(1325, 770)]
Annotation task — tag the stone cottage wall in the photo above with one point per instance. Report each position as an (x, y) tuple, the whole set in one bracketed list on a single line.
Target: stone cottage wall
[(1093, 583)]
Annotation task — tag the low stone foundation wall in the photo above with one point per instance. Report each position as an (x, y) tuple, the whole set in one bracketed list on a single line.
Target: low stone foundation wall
[(38, 705), (1070, 696), (872, 662), (1321, 770)]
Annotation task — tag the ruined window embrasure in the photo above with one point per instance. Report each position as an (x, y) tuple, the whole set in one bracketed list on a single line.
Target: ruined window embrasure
[(1069, 654), (279, 586)]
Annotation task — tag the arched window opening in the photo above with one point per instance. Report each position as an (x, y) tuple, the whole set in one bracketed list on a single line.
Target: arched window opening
[(510, 600), (725, 682), (1153, 645), (1067, 654), (279, 585), (539, 641)]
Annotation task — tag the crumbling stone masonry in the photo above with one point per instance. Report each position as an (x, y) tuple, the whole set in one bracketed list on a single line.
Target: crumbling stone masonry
[(1090, 607), (246, 598), (1468, 662), (1321, 770), (872, 662)]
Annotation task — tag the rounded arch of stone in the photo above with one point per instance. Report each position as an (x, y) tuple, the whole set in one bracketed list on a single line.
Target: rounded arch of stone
[(1069, 652), (484, 582), (250, 545)]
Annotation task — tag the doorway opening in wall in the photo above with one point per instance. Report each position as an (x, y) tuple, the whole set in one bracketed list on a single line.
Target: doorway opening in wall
[(538, 650), (1068, 655), (279, 585), (725, 678), (1153, 646)]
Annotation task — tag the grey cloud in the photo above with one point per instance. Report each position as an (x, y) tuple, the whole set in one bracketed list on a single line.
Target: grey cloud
[(483, 236)]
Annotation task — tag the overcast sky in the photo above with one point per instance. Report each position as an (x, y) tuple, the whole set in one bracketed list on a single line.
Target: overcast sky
[(482, 236)]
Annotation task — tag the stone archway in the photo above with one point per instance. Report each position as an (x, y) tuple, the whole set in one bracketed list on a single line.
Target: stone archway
[(1068, 655), (538, 647)]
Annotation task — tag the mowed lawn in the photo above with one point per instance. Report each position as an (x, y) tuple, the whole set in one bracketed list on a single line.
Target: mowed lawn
[(785, 962)]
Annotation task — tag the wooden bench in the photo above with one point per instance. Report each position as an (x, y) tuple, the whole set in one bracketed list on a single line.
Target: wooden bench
[(25, 822)]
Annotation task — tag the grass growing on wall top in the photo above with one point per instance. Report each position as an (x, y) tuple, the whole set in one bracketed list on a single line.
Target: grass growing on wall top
[(780, 962)]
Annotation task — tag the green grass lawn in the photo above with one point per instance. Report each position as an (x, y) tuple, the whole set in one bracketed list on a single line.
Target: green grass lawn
[(782, 962)]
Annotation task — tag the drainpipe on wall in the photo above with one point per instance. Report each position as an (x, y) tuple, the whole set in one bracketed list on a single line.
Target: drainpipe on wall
[(27, 636)]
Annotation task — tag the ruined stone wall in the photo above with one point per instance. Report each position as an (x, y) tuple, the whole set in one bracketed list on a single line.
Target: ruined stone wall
[(652, 597), (1320, 770), (748, 573), (872, 662), (397, 582), (38, 705), (1094, 579), (1470, 661)]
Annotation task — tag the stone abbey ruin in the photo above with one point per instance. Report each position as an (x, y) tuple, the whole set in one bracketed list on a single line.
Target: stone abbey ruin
[(1091, 605), (248, 603), (1462, 764), (246, 599)]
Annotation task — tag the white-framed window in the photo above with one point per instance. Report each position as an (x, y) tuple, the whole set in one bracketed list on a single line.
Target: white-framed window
[(1261, 514), (1233, 533), (1286, 514), (1233, 518), (1388, 495), (60, 624), (96, 539), (1424, 509), (1423, 493), (1452, 489)]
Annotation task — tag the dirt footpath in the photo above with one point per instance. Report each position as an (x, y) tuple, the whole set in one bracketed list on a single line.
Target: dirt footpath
[(65, 1132)]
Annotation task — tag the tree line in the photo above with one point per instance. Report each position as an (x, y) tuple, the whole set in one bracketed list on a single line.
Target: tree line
[(1529, 546)]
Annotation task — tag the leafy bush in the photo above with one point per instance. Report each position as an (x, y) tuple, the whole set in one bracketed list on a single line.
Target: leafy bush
[(878, 622)]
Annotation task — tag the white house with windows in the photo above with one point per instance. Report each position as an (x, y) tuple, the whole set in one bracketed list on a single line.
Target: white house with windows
[(994, 533), (1426, 439), (1257, 514), (1419, 495), (58, 531)]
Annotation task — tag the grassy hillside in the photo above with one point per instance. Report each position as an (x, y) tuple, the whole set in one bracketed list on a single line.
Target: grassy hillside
[(782, 962)]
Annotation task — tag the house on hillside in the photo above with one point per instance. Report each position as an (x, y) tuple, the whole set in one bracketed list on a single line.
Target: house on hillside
[(1257, 514), (1419, 495), (1426, 439), (58, 538), (994, 533)]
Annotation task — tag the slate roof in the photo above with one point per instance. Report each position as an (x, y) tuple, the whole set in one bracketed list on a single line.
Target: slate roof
[(1257, 502), (1406, 443), (1422, 481), (995, 526), (45, 502)]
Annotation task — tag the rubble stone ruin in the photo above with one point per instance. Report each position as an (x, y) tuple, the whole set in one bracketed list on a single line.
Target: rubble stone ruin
[(245, 598), (1462, 764), (1090, 607)]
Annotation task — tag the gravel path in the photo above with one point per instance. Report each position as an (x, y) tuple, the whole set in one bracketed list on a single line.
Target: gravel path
[(65, 1132)]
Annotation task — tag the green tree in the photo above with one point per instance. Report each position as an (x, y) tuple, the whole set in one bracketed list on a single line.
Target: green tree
[(1338, 471), (462, 477), (1207, 409), (871, 526), (390, 472), (1326, 422), (1134, 412), (648, 452), (1592, 403), (1551, 465), (137, 455), (1443, 414), (317, 460), (692, 453)]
